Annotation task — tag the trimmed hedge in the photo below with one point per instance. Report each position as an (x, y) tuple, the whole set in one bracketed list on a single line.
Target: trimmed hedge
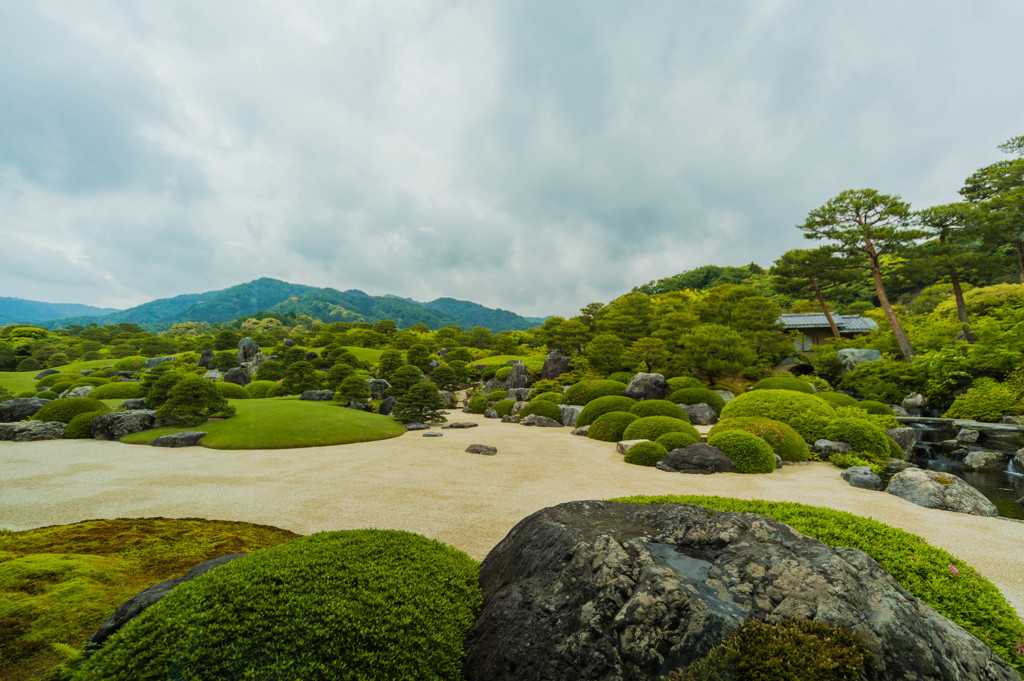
[(783, 383), (603, 405), (496, 395), (783, 440), (478, 404), (680, 382), (258, 389), (621, 377), (653, 427), (543, 408), (838, 399), (698, 396), (863, 435), (610, 427), (678, 440), (118, 391), (874, 407), (806, 414), (356, 604), (555, 398), (503, 407), (659, 408), (645, 453), (80, 426), (47, 395), (232, 391), (585, 392), (65, 409), (54, 379), (132, 363), (750, 453)]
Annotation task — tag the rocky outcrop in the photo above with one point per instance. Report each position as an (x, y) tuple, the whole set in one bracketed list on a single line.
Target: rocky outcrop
[(593, 590), (826, 448), (186, 438), (701, 414), (387, 405), (906, 438), (1018, 461), (967, 436), (486, 450), (247, 350), (849, 358), (80, 391), (699, 458), (491, 414), (569, 412), (556, 364), (647, 387), (915, 404), (157, 361), (117, 424), (20, 408), (32, 431), (538, 420), (986, 460), (378, 388), (238, 376), (862, 477), (936, 489), (317, 395), (518, 377)]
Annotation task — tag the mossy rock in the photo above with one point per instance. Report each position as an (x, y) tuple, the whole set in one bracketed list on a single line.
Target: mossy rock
[(645, 453), (659, 408), (806, 414), (603, 405), (610, 427), (67, 408), (783, 383), (584, 392), (653, 427), (783, 440), (750, 453), (700, 395)]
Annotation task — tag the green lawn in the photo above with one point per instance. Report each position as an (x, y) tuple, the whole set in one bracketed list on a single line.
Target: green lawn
[(284, 423), (370, 355), (20, 381), (528, 360)]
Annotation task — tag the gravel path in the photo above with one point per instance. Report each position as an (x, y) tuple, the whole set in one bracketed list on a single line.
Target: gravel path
[(433, 487)]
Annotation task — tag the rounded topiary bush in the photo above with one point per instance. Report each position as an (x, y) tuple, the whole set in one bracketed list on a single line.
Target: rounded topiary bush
[(659, 408), (496, 395), (806, 414), (54, 379), (750, 453), (65, 409), (653, 427), (80, 426), (356, 604), (258, 389), (874, 407), (478, 404), (783, 440), (502, 373), (698, 396), (60, 387), (553, 397), (90, 380), (47, 394), (278, 390), (585, 392), (232, 391), (610, 427), (503, 407), (678, 440), (645, 453), (118, 391), (621, 377), (838, 399), (603, 405), (783, 383), (864, 435), (542, 408), (680, 382), (132, 363)]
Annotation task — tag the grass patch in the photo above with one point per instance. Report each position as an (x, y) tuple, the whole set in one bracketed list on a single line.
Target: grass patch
[(58, 584), (528, 360), (927, 572), (283, 423), (370, 355)]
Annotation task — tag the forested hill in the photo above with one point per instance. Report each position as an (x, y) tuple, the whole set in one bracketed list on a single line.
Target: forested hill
[(19, 311), (325, 304)]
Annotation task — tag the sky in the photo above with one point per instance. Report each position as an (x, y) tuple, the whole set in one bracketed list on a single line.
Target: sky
[(523, 154)]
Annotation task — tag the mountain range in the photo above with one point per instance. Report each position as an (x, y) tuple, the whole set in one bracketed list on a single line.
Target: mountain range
[(271, 295)]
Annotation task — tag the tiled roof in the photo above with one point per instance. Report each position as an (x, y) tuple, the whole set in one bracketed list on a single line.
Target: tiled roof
[(850, 323)]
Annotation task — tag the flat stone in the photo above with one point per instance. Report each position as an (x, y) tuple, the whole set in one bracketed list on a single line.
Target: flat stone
[(460, 424), (935, 489), (32, 431), (416, 426), (486, 450), (582, 430), (623, 445), (433, 433), (538, 420), (186, 438)]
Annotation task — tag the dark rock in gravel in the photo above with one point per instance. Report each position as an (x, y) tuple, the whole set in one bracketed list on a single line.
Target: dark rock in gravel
[(32, 431), (117, 424), (460, 424), (647, 387), (20, 408), (186, 438), (569, 412), (583, 430), (538, 420), (433, 433), (862, 477), (486, 450), (696, 458), (416, 426), (491, 414)]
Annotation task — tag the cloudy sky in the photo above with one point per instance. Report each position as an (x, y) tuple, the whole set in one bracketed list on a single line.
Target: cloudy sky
[(529, 155)]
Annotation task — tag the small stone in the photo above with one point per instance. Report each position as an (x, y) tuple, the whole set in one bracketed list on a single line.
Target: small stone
[(460, 424), (582, 430), (967, 436), (433, 433), (538, 420), (623, 446), (862, 477), (186, 438), (486, 450)]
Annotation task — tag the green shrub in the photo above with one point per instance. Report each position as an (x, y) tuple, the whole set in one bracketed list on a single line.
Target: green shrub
[(478, 404), (422, 402), (750, 453), (805, 649), (610, 427), (678, 440), (873, 407), (29, 364), (232, 391), (496, 395), (132, 363), (986, 400), (356, 604), (502, 373), (191, 401), (54, 379), (503, 407), (65, 409), (680, 382), (278, 390), (806, 414), (585, 391), (783, 383), (819, 383), (258, 389), (854, 458), (61, 387), (27, 393), (883, 421), (645, 453), (161, 388), (838, 399), (783, 440), (118, 391), (653, 427), (603, 405), (545, 386), (862, 434), (94, 381), (353, 388), (80, 425), (553, 397), (698, 396), (543, 408), (621, 377), (46, 395), (659, 408)]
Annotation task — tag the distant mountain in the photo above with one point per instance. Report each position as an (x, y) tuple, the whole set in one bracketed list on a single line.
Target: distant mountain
[(326, 304), (19, 311)]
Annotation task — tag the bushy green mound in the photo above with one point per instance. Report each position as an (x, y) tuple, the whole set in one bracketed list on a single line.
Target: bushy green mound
[(118, 391), (659, 408), (653, 427), (873, 407), (838, 399), (964, 596), (610, 427), (645, 453), (603, 405), (621, 377), (678, 440), (750, 453), (89, 380), (54, 379), (986, 400), (258, 389), (80, 426), (502, 373), (680, 382), (585, 392), (496, 395), (553, 397), (783, 440), (232, 391), (698, 396), (794, 650), (65, 409), (545, 386), (477, 404), (543, 408), (783, 383), (60, 387), (503, 407), (806, 414), (132, 363), (191, 401), (45, 394), (357, 604), (862, 434)]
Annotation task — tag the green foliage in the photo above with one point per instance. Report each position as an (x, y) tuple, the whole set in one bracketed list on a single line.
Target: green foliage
[(29, 364), (445, 377), (986, 400), (161, 389), (715, 350), (621, 377), (80, 425), (348, 578), (653, 427), (503, 407), (678, 440), (645, 453), (496, 395), (875, 407), (541, 407), (862, 434), (783, 383), (855, 458), (603, 405), (699, 395), (54, 379), (886, 381), (477, 404), (421, 403), (783, 440), (301, 376), (883, 421), (45, 394), (545, 386), (65, 409), (585, 391), (258, 389), (232, 391), (352, 389), (750, 453), (659, 408), (502, 373), (403, 378), (604, 353), (806, 414), (191, 401), (795, 650), (610, 427), (118, 391), (838, 399), (271, 370), (131, 363), (554, 397)]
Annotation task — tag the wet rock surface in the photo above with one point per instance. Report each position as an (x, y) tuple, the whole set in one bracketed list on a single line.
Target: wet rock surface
[(935, 489)]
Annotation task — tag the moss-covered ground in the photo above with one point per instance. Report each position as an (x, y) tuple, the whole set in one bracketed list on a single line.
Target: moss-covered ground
[(58, 584), (533, 361)]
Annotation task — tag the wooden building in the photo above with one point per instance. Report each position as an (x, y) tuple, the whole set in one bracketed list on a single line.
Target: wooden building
[(814, 328)]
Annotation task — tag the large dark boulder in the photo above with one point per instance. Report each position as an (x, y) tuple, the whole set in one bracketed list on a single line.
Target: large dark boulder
[(519, 377), (647, 387), (317, 395), (247, 350), (387, 405), (701, 414), (556, 364), (32, 431), (20, 408), (378, 388), (238, 376), (117, 424), (186, 438), (937, 489), (606, 591), (696, 458)]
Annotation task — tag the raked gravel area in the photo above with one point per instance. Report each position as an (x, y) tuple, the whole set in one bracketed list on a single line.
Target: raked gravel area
[(433, 487)]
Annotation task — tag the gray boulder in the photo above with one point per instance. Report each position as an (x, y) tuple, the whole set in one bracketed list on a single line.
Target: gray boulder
[(826, 448), (699, 458), (416, 426), (86, 372), (517, 407), (458, 425), (906, 438), (117, 424), (447, 398), (647, 387), (519, 377), (556, 364), (80, 391), (206, 359), (570, 412), (538, 420), (915, 404), (862, 477), (518, 394), (317, 395), (700, 414), (851, 357), (157, 361), (986, 460), (592, 590), (725, 395), (967, 436), (582, 430), (186, 438), (134, 403), (1012, 420), (288, 343), (213, 375), (32, 431), (935, 489), (238, 376), (44, 373), (894, 466), (898, 410), (387, 405), (486, 450), (378, 388), (20, 408), (433, 433), (491, 414)]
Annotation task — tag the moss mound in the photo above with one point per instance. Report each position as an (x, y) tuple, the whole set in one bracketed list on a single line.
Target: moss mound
[(232, 391), (65, 409), (610, 427), (653, 427), (621, 377), (783, 440), (496, 395), (585, 392), (357, 604), (645, 453), (838, 399), (118, 391), (806, 414), (678, 440), (556, 398), (80, 427), (477, 404), (698, 396), (258, 389), (601, 406), (503, 407), (863, 435), (783, 383), (543, 408), (750, 453), (680, 382), (659, 408), (54, 379), (874, 407)]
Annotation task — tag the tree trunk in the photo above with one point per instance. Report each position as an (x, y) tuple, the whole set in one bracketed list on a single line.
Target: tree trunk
[(1020, 259), (961, 308), (901, 338), (824, 308)]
